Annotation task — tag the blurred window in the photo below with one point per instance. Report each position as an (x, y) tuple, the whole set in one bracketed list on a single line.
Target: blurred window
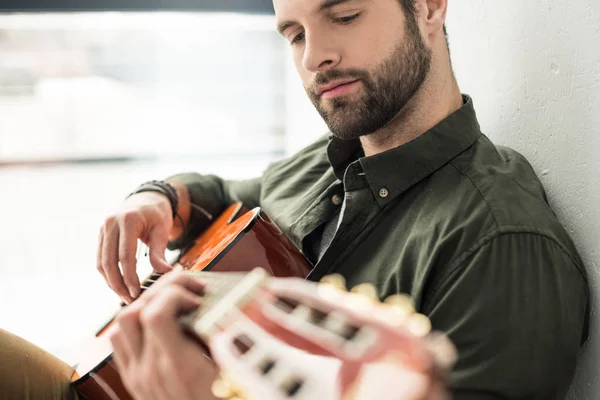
[(89, 85)]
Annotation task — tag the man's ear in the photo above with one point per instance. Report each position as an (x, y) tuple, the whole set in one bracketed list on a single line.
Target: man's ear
[(434, 14)]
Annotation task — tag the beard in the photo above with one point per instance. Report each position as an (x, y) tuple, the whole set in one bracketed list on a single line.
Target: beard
[(387, 90)]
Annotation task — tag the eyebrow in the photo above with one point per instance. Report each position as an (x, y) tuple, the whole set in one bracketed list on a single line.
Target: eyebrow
[(331, 3), (327, 4)]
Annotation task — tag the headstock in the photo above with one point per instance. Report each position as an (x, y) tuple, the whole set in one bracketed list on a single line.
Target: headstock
[(299, 340)]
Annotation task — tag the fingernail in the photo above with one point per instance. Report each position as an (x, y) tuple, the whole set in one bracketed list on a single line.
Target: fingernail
[(133, 292)]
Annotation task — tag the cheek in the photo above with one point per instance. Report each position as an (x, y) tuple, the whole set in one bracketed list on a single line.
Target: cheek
[(371, 44), (372, 50)]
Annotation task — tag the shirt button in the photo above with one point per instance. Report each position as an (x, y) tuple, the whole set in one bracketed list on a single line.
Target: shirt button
[(383, 193), (337, 200)]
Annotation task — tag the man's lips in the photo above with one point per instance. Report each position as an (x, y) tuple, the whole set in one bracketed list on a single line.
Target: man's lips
[(336, 88)]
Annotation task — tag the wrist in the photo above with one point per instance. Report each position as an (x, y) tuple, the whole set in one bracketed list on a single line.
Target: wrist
[(183, 212), (177, 203), (164, 188), (159, 200)]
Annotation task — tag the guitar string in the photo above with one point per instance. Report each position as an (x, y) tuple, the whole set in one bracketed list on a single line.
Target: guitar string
[(218, 283)]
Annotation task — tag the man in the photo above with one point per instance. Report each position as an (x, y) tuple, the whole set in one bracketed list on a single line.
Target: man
[(406, 193)]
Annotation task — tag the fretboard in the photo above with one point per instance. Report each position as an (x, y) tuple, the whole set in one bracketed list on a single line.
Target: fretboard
[(224, 292)]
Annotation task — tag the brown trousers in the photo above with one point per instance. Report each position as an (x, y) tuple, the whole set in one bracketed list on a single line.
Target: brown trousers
[(30, 373)]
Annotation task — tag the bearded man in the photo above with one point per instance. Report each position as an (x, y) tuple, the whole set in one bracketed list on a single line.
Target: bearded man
[(405, 192)]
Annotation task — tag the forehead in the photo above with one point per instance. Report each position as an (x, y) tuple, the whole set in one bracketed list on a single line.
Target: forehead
[(291, 7)]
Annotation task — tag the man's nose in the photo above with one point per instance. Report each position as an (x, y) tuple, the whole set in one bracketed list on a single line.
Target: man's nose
[(319, 55)]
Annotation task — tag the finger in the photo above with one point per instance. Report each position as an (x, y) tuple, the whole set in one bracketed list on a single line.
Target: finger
[(99, 255), (131, 355), (130, 330), (164, 369), (157, 243), (120, 351), (159, 319), (127, 255), (110, 264), (166, 343)]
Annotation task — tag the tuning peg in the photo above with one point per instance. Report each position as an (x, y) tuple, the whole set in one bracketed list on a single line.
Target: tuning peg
[(222, 388), (359, 302), (395, 310), (418, 325), (335, 280), (443, 350), (402, 301), (391, 315), (366, 290)]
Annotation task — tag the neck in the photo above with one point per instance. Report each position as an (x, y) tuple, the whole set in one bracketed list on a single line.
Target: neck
[(438, 97)]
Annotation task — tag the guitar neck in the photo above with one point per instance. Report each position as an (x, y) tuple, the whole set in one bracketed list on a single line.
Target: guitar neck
[(225, 292)]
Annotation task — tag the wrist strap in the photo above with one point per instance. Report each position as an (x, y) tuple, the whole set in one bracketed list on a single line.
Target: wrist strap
[(160, 187)]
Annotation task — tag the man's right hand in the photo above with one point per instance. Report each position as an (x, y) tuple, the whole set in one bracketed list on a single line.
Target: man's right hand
[(146, 216)]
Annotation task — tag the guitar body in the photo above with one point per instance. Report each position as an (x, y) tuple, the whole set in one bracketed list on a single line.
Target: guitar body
[(238, 241)]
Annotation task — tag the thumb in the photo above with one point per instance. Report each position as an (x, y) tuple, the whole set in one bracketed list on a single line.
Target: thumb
[(157, 243)]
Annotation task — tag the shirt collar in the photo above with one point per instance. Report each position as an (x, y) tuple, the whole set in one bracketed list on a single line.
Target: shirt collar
[(392, 172)]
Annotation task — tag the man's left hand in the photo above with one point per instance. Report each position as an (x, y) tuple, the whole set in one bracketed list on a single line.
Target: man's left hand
[(155, 358)]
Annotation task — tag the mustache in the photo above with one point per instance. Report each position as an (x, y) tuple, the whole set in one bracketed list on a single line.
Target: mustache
[(323, 78)]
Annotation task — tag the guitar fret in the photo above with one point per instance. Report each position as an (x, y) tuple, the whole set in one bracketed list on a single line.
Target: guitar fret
[(204, 276), (224, 292)]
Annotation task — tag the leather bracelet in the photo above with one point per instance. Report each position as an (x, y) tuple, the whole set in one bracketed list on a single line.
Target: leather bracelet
[(160, 187)]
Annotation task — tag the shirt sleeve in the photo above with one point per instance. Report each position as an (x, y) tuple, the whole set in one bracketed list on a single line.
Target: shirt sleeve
[(213, 194), (516, 309)]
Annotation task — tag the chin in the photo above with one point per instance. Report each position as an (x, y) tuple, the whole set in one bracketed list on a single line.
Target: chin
[(345, 134)]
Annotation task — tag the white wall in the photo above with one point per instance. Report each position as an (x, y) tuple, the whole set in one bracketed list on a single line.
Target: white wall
[(533, 70)]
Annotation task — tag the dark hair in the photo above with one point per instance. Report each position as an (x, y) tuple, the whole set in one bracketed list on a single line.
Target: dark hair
[(411, 13)]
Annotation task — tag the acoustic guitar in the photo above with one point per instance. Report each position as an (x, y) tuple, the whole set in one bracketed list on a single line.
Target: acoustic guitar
[(239, 240), (291, 339), (262, 320)]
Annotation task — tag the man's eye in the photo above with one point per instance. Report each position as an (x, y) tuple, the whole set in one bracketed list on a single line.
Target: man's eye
[(347, 19), (298, 38)]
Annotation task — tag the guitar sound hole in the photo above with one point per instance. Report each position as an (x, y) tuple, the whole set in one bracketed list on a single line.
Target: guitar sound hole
[(266, 365), (286, 304), (292, 386), (243, 343)]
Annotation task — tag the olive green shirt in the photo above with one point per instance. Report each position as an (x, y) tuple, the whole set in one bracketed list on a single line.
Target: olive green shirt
[(460, 224)]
